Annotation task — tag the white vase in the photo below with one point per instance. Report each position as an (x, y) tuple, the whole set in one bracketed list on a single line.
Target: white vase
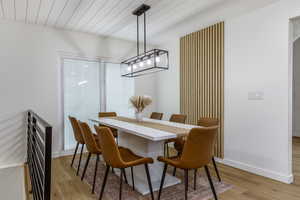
[(139, 116)]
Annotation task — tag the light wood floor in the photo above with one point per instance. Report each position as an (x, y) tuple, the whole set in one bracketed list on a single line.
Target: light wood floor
[(66, 186)]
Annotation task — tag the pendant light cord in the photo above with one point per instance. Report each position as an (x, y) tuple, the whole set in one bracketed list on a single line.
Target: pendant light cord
[(144, 32), (137, 39)]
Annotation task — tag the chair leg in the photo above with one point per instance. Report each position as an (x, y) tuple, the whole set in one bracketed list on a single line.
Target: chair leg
[(162, 180), (79, 160), (74, 154), (168, 153), (174, 171), (210, 182), (121, 182), (86, 165), (95, 174), (195, 179), (124, 174), (216, 169), (149, 181), (104, 181), (186, 181), (132, 178)]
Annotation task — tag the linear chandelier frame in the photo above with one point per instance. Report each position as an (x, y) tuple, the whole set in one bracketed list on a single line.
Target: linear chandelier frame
[(149, 61)]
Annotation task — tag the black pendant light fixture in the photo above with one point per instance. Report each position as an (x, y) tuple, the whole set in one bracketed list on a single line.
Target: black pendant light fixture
[(149, 61)]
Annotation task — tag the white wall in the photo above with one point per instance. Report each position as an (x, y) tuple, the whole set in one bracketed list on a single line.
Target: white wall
[(12, 183), (168, 82), (296, 28), (146, 85), (30, 77), (296, 65), (257, 133)]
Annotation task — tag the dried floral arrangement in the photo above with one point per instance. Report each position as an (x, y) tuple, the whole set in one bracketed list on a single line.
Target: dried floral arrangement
[(140, 102)]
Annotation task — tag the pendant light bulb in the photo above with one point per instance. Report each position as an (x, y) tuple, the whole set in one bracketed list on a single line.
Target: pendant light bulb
[(134, 66), (157, 59), (149, 62), (129, 68), (141, 64)]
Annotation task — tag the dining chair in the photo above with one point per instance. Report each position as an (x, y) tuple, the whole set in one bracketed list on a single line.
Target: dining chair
[(179, 143), (178, 118), (156, 115), (120, 157), (79, 139), (93, 148), (197, 152), (109, 114)]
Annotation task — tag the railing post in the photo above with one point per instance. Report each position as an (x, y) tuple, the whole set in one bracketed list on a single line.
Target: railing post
[(48, 158), (39, 155)]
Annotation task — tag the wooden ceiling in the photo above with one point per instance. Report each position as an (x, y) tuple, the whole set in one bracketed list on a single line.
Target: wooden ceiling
[(103, 17)]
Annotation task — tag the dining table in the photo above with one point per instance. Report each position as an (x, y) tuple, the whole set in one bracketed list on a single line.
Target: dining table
[(146, 138)]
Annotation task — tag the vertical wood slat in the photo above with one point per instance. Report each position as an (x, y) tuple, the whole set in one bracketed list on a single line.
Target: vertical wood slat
[(202, 78)]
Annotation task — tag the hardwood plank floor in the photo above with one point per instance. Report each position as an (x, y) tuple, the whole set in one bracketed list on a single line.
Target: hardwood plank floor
[(66, 186)]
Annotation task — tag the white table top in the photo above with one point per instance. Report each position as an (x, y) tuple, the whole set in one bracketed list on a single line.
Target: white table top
[(142, 131)]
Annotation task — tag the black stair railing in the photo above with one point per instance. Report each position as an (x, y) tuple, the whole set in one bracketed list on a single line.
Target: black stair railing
[(39, 154)]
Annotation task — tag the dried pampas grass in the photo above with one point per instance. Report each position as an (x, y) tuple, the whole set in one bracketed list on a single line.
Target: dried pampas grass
[(140, 102)]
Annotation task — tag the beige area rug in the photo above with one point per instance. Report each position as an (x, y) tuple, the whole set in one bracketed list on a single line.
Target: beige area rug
[(203, 191)]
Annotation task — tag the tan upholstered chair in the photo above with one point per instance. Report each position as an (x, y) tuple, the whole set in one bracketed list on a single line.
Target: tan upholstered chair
[(79, 139), (93, 147), (109, 114), (156, 115), (119, 157), (197, 152), (179, 143), (178, 118)]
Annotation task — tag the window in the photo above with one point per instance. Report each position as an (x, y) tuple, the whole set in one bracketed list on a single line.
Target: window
[(82, 91), (91, 87)]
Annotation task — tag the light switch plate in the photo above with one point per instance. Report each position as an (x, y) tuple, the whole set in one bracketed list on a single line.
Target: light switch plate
[(258, 95)]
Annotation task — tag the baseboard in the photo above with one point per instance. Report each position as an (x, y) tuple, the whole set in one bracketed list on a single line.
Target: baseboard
[(66, 153), (12, 165), (259, 171), (242, 166)]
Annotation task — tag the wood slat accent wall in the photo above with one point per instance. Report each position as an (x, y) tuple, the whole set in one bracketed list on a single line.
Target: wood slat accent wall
[(202, 77)]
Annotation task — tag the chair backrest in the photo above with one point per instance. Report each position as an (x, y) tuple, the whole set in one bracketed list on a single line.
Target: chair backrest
[(107, 114), (76, 130), (179, 118), (198, 148), (207, 122), (89, 138), (110, 151), (156, 115)]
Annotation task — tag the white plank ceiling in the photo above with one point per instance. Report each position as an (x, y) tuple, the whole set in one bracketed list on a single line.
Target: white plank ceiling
[(113, 17), (102, 17)]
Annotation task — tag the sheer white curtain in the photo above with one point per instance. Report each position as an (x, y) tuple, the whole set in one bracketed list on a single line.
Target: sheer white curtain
[(82, 91), (91, 87)]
